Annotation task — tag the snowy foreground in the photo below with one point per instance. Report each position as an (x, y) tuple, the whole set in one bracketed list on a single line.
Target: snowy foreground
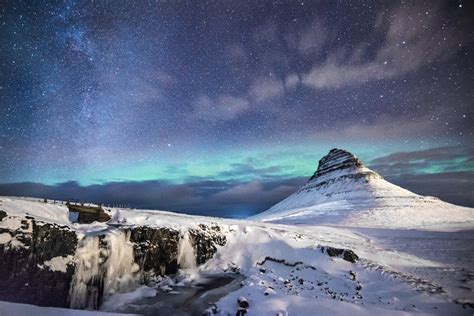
[(284, 267)]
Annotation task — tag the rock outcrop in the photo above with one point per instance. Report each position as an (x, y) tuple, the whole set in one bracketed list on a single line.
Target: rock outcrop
[(339, 162), (205, 240), (34, 260), (156, 250)]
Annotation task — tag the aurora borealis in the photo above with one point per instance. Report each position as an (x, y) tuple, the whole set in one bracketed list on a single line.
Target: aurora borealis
[(225, 107)]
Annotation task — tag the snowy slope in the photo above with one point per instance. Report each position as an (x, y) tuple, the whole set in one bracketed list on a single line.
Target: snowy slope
[(343, 191)]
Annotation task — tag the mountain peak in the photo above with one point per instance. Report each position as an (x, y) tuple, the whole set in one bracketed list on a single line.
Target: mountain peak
[(343, 191), (337, 159)]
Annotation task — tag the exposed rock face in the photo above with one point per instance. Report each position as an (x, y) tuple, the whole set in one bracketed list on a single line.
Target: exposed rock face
[(156, 250), (336, 159), (25, 273), (336, 166), (205, 240)]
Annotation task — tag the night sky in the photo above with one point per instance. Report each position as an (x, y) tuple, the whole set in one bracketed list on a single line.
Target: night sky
[(225, 107)]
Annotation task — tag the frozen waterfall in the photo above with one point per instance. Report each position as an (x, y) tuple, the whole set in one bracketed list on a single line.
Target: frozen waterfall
[(187, 257), (104, 265)]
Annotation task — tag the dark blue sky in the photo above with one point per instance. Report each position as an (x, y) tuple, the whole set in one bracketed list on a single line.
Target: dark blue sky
[(204, 104)]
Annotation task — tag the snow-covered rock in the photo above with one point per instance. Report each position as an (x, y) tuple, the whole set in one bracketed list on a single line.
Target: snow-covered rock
[(343, 191)]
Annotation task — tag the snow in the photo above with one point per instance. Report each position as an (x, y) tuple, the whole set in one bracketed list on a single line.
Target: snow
[(47, 212), (384, 291), (58, 263), (400, 271), (7, 308), (5, 238)]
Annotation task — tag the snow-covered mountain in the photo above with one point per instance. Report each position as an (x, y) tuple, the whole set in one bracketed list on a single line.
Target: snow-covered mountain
[(343, 191)]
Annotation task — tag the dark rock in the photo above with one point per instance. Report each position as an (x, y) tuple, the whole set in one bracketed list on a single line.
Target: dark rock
[(210, 311), (3, 214), (243, 302), (241, 312), (23, 278), (155, 250), (204, 241), (353, 275), (336, 159), (346, 254)]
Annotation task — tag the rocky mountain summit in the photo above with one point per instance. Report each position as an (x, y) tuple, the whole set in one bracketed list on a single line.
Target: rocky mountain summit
[(338, 160)]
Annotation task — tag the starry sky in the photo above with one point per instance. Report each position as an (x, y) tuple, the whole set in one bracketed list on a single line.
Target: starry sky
[(225, 107)]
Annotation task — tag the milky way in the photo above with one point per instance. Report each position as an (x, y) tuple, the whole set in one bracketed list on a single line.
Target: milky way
[(211, 103)]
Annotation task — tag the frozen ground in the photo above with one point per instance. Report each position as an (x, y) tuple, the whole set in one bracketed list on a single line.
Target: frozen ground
[(399, 271), (15, 309)]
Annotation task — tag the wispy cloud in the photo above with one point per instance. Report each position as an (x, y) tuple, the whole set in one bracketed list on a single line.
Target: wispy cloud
[(266, 88), (415, 35), (223, 107), (434, 160), (311, 39), (291, 81)]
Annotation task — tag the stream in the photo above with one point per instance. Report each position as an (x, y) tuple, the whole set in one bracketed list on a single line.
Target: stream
[(187, 300)]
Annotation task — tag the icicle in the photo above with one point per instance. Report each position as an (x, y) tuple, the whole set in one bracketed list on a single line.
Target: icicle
[(187, 256), (87, 274), (101, 272)]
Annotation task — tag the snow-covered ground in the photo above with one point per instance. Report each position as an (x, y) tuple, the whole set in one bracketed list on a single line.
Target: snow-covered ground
[(399, 271), (16, 309)]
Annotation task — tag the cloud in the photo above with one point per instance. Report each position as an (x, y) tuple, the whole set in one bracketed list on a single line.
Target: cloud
[(246, 170), (312, 38), (227, 107), (223, 107), (267, 88), (291, 81), (254, 193), (453, 187), (434, 160), (432, 155), (444, 172), (267, 32), (237, 52), (214, 198), (415, 35), (382, 129)]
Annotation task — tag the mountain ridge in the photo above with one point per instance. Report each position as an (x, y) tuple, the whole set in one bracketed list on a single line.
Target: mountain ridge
[(343, 191)]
